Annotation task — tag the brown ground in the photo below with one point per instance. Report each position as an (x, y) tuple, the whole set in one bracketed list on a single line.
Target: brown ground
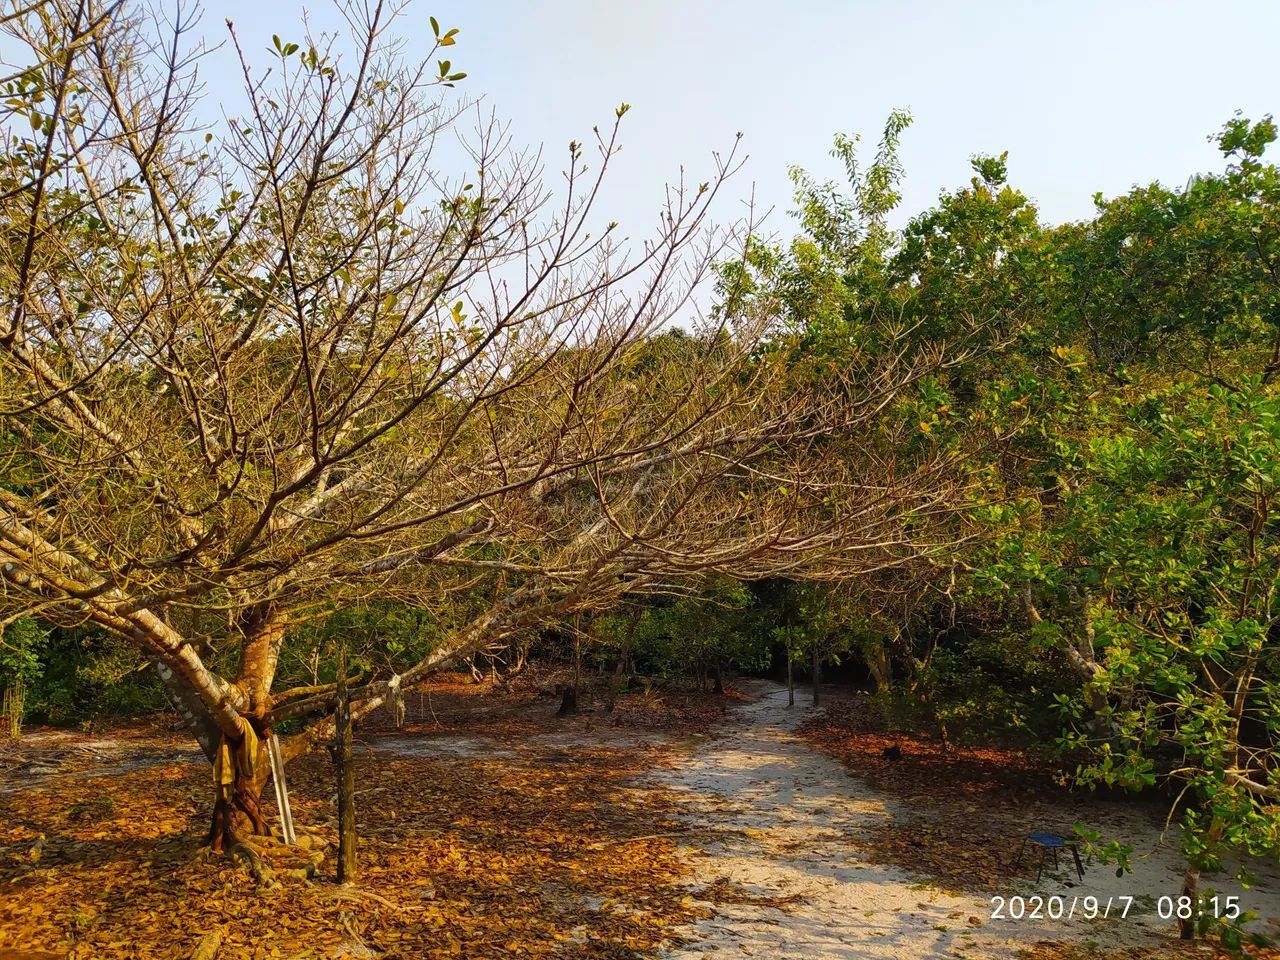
[(519, 849), (489, 828), (970, 805)]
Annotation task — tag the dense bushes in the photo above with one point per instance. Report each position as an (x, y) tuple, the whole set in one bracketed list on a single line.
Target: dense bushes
[(75, 675)]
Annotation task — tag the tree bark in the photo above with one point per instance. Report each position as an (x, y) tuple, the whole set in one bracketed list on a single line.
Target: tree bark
[(876, 654), (237, 811), (237, 808), (263, 630), (1079, 651), (619, 678), (237, 817), (190, 708), (209, 945)]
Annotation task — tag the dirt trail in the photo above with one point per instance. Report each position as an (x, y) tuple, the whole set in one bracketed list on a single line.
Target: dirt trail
[(784, 819)]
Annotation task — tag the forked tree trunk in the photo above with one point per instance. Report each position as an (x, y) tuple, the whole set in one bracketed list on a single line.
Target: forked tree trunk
[(237, 807), (876, 654), (520, 650), (237, 810)]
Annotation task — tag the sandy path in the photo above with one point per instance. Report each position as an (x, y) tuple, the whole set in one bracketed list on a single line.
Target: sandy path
[(781, 816)]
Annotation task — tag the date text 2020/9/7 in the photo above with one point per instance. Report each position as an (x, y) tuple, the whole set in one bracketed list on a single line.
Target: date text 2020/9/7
[(1059, 908)]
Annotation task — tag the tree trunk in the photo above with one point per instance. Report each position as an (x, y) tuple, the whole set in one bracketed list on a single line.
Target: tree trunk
[(345, 777), (621, 671), (263, 630), (186, 702), (521, 648), (791, 682), (718, 678), (577, 665), (237, 807), (817, 675), (1191, 882), (876, 654), (615, 688), (238, 816)]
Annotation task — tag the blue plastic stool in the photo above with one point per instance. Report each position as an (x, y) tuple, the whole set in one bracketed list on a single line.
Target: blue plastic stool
[(1050, 843)]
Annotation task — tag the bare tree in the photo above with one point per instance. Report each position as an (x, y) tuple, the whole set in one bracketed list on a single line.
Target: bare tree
[(283, 363)]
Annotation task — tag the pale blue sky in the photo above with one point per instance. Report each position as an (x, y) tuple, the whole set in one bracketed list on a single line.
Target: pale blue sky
[(1085, 96)]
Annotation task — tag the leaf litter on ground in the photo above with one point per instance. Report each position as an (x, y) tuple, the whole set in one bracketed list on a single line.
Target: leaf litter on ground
[(532, 842)]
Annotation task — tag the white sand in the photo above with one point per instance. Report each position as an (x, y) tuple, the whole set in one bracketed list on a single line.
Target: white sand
[(782, 816)]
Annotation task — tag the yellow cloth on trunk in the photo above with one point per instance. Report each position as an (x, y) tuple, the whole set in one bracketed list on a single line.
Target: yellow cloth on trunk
[(242, 758)]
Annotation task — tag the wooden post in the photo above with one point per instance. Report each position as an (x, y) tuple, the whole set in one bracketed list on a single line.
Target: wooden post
[(817, 674), (345, 776)]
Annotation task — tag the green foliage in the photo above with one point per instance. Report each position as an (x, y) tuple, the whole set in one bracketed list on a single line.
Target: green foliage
[(74, 675), (1169, 523), (21, 642), (1114, 429), (381, 638), (991, 685), (695, 634), (1139, 533)]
